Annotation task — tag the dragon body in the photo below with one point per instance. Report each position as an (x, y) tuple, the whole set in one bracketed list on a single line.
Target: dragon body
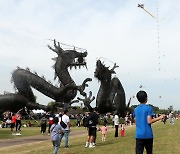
[(24, 81), (111, 95)]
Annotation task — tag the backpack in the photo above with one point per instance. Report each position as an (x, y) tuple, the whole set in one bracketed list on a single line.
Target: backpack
[(87, 121)]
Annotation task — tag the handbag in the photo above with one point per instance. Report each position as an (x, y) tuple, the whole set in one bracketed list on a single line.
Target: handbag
[(63, 125)]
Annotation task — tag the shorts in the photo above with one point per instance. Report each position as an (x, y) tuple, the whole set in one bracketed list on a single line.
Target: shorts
[(12, 125), (92, 131)]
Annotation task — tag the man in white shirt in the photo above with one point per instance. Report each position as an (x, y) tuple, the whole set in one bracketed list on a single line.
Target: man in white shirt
[(66, 131), (116, 124)]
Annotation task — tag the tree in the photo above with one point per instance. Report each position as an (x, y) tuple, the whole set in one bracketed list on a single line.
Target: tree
[(155, 108), (170, 108), (52, 106)]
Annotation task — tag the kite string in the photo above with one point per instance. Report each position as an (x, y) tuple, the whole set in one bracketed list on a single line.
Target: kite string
[(106, 59), (158, 35), (69, 45)]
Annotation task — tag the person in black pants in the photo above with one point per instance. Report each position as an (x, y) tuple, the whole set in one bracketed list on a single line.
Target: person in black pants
[(116, 125), (18, 121), (144, 117), (92, 128)]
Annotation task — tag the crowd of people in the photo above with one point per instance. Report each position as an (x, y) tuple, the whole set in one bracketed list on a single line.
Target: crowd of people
[(13, 121), (59, 125)]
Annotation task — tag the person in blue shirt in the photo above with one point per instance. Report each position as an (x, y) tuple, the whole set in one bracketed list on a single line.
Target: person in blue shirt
[(144, 118)]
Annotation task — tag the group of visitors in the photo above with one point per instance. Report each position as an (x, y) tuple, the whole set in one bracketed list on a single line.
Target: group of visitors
[(128, 119), (6, 120), (16, 121), (59, 125), (60, 128), (13, 121), (144, 117), (46, 120)]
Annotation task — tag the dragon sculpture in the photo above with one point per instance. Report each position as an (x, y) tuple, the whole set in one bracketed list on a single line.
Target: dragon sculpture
[(111, 95), (24, 80), (87, 100)]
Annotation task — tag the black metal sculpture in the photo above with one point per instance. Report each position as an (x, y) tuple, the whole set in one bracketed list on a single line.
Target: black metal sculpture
[(87, 100), (64, 94), (111, 95)]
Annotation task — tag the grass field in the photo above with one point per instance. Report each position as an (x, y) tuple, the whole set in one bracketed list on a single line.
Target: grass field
[(5, 133), (166, 141)]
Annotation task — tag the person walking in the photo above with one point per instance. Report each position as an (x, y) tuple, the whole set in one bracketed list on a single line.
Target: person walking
[(43, 124), (66, 129), (144, 118), (165, 119), (116, 125), (50, 122), (171, 118), (55, 131), (18, 122), (78, 120), (126, 119), (92, 127)]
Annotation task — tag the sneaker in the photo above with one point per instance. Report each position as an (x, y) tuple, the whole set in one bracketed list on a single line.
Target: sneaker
[(91, 145), (67, 147), (86, 145)]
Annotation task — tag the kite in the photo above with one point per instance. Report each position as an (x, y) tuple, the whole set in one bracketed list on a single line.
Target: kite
[(142, 7), (140, 86)]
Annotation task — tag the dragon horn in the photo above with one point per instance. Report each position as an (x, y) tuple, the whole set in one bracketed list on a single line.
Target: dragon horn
[(86, 67)]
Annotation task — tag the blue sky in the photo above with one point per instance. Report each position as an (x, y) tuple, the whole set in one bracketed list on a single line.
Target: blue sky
[(116, 30)]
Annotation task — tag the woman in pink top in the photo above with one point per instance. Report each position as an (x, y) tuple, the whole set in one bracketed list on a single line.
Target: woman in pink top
[(104, 131)]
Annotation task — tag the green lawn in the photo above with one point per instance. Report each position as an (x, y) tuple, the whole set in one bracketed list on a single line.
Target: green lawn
[(5, 133), (166, 141)]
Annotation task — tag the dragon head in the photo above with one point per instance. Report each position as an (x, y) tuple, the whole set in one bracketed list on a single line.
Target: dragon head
[(74, 58), (102, 72), (67, 58)]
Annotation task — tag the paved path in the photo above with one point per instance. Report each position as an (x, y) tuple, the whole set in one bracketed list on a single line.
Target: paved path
[(31, 139)]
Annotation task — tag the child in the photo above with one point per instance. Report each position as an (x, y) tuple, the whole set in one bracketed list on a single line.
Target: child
[(122, 131), (104, 131), (144, 118)]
